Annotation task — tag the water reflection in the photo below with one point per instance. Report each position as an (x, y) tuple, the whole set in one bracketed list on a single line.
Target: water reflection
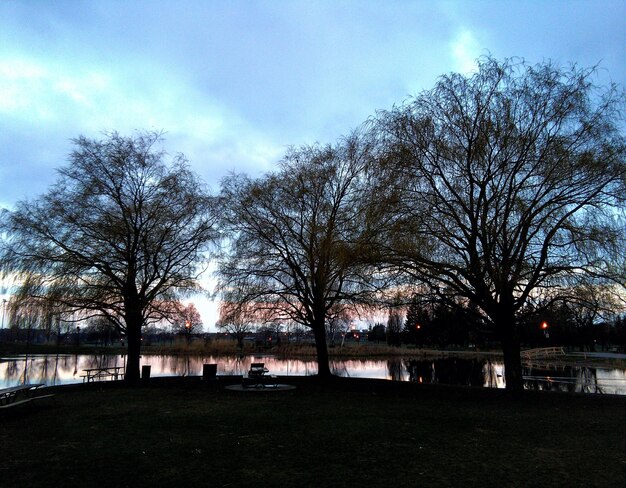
[(451, 371), (583, 379), (51, 369), (63, 369)]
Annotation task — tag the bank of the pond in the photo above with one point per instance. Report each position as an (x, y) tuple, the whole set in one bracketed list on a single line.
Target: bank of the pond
[(346, 433), (291, 350)]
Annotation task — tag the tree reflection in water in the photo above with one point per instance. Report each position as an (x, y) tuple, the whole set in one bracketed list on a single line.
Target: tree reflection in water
[(478, 372), (450, 371), (395, 368)]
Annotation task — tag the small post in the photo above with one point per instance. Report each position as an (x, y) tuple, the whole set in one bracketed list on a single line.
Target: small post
[(145, 372), (209, 371)]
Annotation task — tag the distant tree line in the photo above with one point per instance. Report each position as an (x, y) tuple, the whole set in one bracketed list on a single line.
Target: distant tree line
[(442, 326)]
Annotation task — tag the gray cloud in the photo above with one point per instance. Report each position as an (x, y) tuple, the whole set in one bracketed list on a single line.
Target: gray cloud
[(233, 82)]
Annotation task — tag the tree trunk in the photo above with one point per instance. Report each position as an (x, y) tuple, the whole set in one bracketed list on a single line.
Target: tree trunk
[(323, 366), (133, 336), (511, 352)]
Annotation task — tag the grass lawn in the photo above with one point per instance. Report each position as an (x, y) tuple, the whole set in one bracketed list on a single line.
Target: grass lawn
[(349, 433)]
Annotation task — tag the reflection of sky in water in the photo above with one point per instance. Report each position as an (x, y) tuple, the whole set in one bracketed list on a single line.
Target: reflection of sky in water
[(494, 374), (51, 369), (580, 380), (612, 380), (356, 368), (227, 365), (63, 369)]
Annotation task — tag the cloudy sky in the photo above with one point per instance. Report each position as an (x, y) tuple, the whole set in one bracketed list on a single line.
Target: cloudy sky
[(233, 83)]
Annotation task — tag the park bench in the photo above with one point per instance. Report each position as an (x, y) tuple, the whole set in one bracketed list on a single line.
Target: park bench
[(21, 395)]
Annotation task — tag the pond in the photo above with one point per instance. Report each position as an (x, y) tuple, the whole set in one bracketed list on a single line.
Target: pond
[(479, 372)]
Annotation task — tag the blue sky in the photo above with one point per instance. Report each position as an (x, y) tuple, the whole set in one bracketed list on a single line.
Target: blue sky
[(233, 83)]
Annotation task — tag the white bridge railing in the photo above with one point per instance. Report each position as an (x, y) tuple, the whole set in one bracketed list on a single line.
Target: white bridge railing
[(542, 353)]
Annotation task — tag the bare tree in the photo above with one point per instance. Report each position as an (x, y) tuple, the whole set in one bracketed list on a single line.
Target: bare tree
[(26, 314), (103, 329), (337, 324), (121, 233), (186, 319), (238, 320), (504, 184), (589, 304), (299, 239), (42, 314), (394, 328)]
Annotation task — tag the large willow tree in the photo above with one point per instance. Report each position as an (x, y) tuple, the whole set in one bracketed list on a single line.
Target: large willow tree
[(299, 240), (504, 186), (121, 234)]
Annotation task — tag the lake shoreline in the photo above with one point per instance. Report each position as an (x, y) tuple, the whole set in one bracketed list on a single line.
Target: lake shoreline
[(306, 351), (584, 375)]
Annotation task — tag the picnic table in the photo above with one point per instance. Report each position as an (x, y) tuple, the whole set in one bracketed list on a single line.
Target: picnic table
[(257, 370), (18, 395), (257, 376), (102, 373)]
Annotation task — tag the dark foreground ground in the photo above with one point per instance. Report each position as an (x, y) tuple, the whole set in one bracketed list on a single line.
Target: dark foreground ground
[(349, 433)]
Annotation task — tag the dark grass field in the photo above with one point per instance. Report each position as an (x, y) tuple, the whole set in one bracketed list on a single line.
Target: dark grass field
[(346, 433)]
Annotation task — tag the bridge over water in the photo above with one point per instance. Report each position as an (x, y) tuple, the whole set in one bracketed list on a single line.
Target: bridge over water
[(543, 353)]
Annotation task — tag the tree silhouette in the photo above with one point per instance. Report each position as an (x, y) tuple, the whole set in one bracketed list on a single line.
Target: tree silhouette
[(238, 320), (119, 235), (503, 186), (298, 238), (186, 319)]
